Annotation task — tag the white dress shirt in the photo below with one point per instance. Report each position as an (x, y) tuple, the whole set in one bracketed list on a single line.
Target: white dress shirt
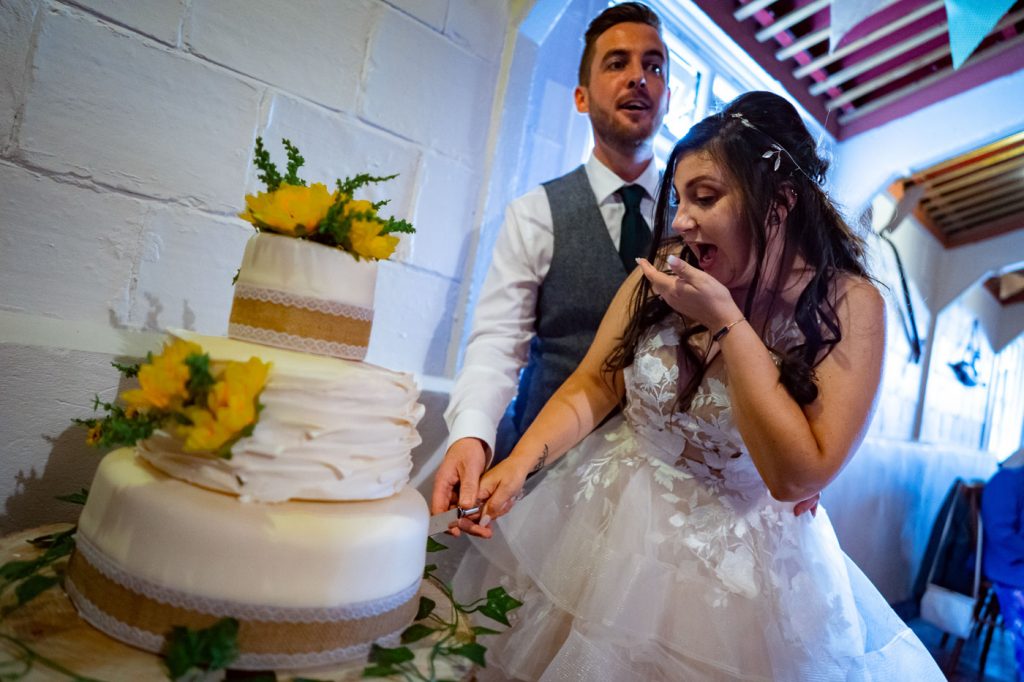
[(505, 317)]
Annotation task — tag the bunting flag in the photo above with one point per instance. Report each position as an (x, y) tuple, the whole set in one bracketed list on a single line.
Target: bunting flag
[(846, 14), (969, 22)]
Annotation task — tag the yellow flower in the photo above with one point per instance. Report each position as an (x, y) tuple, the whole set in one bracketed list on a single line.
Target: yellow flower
[(232, 399), (368, 242), (94, 434), (163, 380), (205, 433), (292, 210)]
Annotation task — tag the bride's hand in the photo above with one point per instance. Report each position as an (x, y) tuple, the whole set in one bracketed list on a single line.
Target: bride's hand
[(692, 292), (500, 488)]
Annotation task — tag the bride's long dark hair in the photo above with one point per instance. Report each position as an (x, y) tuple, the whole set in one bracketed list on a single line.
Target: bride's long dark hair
[(760, 142)]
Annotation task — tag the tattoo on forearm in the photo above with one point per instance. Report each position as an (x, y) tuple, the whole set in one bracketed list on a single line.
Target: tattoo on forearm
[(543, 458)]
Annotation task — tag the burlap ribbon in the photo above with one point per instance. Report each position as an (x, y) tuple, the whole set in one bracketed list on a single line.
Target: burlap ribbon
[(296, 321), (254, 637)]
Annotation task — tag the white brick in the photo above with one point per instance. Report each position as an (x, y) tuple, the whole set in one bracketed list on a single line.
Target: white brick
[(336, 147), (160, 19), (137, 117), (187, 261), (445, 213), (315, 49), (412, 319), (442, 100), (65, 251), (479, 25), (42, 454), (430, 12), (16, 18)]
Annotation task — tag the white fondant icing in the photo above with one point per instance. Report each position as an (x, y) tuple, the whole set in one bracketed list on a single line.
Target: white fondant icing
[(307, 269), (294, 555)]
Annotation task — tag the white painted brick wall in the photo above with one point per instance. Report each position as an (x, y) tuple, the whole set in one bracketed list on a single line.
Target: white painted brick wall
[(65, 251), (16, 19), (430, 12), (479, 25), (128, 113), (445, 215), (311, 48), (435, 96), (159, 19), (126, 134), (43, 453), (187, 260)]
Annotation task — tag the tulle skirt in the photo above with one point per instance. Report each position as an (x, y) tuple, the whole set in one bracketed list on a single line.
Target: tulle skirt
[(632, 569)]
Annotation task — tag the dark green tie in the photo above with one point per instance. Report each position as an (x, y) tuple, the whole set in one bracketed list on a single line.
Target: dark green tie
[(636, 236)]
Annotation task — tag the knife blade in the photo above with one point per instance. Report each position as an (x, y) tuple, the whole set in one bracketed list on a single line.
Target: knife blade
[(439, 523)]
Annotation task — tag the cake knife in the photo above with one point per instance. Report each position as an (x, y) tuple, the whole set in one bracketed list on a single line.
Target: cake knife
[(439, 523)]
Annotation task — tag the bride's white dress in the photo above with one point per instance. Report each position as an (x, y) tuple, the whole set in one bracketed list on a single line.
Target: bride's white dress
[(653, 551)]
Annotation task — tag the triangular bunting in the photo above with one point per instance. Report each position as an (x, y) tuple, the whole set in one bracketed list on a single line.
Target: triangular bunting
[(969, 22)]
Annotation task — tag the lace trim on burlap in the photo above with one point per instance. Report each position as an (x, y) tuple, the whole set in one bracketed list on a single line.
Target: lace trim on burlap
[(155, 643), (269, 337), (306, 302), (224, 608)]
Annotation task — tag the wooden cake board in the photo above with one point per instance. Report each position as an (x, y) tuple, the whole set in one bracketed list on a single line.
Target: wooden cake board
[(50, 626)]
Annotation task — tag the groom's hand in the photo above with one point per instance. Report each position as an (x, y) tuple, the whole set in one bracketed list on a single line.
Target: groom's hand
[(458, 479)]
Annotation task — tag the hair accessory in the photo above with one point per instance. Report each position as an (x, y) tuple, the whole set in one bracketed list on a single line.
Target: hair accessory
[(725, 330), (775, 151)]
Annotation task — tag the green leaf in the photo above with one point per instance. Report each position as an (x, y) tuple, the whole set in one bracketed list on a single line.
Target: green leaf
[(435, 546), (295, 162), (428, 569), (481, 630), (200, 378), (380, 671), (473, 651), (270, 175), (416, 632), (33, 586), (386, 656), (499, 603), (16, 570), (75, 498), (128, 371), (212, 648), (426, 607)]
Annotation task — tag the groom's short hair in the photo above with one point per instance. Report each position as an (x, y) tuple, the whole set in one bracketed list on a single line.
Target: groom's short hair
[(627, 12)]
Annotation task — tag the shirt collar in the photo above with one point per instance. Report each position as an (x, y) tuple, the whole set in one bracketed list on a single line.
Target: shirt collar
[(605, 182)]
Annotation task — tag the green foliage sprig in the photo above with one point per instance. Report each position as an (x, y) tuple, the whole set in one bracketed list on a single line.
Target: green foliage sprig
[(270, 175), (118, 427), (191, 654), (450, 641)]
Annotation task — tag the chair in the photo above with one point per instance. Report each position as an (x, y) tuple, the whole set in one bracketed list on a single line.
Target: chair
[(954, 598)]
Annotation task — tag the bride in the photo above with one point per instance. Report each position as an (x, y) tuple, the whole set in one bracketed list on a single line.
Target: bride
[(748, 351)]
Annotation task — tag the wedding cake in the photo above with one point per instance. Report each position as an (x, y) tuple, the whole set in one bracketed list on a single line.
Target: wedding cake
[(301, 526)]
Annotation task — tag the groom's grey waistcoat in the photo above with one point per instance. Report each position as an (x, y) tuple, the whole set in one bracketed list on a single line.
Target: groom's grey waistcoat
[(585, 273)]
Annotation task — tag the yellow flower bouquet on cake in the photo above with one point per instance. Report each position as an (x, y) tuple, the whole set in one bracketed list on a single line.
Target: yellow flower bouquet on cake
[(292, 208), (208, 408)]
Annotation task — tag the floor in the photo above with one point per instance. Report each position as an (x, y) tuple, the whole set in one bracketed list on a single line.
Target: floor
[(999, 667)]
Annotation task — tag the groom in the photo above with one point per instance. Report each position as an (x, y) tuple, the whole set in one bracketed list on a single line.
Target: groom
[(561, 255)]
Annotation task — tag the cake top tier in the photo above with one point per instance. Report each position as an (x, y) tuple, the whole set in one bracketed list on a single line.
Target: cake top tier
[(297, 294)]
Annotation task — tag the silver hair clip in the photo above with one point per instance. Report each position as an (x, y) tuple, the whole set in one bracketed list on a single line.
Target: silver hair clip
[(775, 151)]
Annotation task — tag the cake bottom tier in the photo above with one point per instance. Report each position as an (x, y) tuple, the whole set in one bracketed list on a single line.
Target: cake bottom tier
[(311, 583)]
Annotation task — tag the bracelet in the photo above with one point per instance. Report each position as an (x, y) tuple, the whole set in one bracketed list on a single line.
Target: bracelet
[(725, 330)]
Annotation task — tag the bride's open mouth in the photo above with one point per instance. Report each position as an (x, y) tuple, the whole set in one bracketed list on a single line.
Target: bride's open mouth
[(705, 254)]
